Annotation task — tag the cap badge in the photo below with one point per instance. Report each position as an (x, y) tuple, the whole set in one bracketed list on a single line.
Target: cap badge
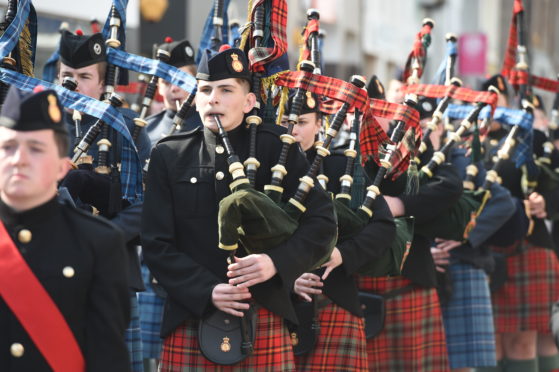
[(311, 103), (97, 48), (54, 111), (188, 50), (236, 64)]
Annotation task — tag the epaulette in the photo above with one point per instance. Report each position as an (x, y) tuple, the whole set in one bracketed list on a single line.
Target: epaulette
[(179, 136)]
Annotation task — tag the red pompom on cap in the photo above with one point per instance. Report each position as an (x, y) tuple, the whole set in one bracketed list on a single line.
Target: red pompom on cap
[(224, 47), (38, 88), (79, 32), (168, 39)]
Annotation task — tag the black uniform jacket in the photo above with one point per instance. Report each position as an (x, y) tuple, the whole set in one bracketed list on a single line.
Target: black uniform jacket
[(369, 244), (188, 176), (129, 218), (81, 262), (440, 193)]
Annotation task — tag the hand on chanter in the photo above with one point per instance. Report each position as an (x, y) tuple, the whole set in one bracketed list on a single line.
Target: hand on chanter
[(230, 299), (250, 270), (334, 261), (308, 284)]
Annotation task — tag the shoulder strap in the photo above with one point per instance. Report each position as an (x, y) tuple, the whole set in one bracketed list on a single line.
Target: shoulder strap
[(36, 311)]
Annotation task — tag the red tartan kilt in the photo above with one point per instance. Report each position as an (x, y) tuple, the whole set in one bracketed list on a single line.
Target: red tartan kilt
[(524, 302), (413, 337), (341, 345), (272, 348)]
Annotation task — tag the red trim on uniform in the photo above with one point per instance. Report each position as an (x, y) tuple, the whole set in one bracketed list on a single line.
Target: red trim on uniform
[(36, 311)]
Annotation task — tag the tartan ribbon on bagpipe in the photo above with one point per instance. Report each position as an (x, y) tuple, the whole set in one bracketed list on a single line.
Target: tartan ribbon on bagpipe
[(11, 36), (405, 148), (275, 18), (508, 116), (518, 77), (395, 111), (150, 67), (510, 54), (459, 93), (130, 173), (372, 137), (312, 27), (326, 86), (419, 51)]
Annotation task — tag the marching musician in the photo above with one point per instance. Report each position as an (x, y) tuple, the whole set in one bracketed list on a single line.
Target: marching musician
[(63, 274), (187, 178), (413, 336), (463, 267), (181, 55), (160, 124), (83, 57), (522, 305), (339, 311)]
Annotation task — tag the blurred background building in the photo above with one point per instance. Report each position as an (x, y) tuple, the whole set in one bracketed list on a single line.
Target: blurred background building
[(362, 36)]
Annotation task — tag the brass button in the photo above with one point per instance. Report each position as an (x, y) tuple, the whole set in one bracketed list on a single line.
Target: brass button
[(24, 236), (493, 142), (219, 149), (219, 176), (193, 180), (68, 271), (17, 349)]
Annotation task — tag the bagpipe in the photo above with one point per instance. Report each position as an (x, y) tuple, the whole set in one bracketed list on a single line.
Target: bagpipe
[(393, 159), (248, 216), (125, 158), (21, 56), (457, 222), (522, 144), (99, 187)]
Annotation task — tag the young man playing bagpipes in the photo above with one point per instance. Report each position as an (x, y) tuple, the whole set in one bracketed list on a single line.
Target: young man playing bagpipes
[(187, 178), (84, 58), (340, 343)]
